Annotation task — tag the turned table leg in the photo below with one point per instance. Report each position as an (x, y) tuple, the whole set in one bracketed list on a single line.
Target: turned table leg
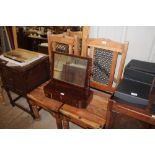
[(65, 123)]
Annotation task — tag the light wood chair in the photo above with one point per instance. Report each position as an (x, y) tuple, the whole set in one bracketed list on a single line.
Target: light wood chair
[(106, 54)]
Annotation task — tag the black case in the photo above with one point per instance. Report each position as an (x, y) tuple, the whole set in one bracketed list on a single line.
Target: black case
[(135, 86), (132, 92), (140, 71)]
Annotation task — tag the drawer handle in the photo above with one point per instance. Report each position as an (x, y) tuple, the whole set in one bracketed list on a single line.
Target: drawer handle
[(62, 94)]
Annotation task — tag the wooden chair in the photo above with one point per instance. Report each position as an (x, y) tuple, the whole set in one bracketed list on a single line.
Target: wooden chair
[(55, 41), (105, 54)]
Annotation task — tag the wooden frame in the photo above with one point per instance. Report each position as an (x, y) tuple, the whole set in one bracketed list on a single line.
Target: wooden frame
[(116, 49), (88, 69)]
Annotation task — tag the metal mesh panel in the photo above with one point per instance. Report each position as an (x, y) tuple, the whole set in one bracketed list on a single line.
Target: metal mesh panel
[(102, 61), (63, 48)]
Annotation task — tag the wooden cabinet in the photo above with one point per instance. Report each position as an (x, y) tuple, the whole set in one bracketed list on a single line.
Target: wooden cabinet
[(22, 80)]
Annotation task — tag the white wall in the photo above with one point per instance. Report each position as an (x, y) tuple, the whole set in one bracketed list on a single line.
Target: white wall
[(141, 39)]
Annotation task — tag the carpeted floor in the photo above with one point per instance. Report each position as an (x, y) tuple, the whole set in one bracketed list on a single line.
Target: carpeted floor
[(15, 118)]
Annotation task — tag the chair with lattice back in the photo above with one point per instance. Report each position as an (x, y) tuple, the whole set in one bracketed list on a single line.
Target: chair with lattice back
[(108, 57)]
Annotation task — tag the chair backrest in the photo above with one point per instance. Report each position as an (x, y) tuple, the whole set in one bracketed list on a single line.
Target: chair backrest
[(105, 54), (77, 35), (60, 43)]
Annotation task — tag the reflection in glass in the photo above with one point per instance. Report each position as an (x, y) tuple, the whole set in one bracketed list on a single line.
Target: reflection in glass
[(70, 69)]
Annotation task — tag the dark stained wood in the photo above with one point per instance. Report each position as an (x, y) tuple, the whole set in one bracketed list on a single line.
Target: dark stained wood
[(73, 96), (132, 112), (23, 79)]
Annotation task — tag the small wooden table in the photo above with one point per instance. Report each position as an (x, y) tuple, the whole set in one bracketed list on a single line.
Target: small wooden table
[(37, 100), (93, 116)]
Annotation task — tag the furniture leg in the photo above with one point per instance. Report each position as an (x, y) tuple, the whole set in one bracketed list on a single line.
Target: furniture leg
[(34, 110), (10, 97), (109, 116), (65, 123), (58, 122)]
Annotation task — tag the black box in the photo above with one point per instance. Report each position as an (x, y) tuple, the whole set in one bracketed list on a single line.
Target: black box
[(133, 93), (140, 71)]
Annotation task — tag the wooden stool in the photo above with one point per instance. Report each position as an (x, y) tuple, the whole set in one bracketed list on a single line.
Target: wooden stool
[(37, 100), (94, 116)]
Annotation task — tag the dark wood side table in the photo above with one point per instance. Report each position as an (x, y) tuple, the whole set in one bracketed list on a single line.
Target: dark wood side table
[(22, 80), (121, 115), (37, 99)]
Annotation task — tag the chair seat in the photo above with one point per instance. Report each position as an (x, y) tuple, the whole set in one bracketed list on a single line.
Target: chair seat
[(94, 116)]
